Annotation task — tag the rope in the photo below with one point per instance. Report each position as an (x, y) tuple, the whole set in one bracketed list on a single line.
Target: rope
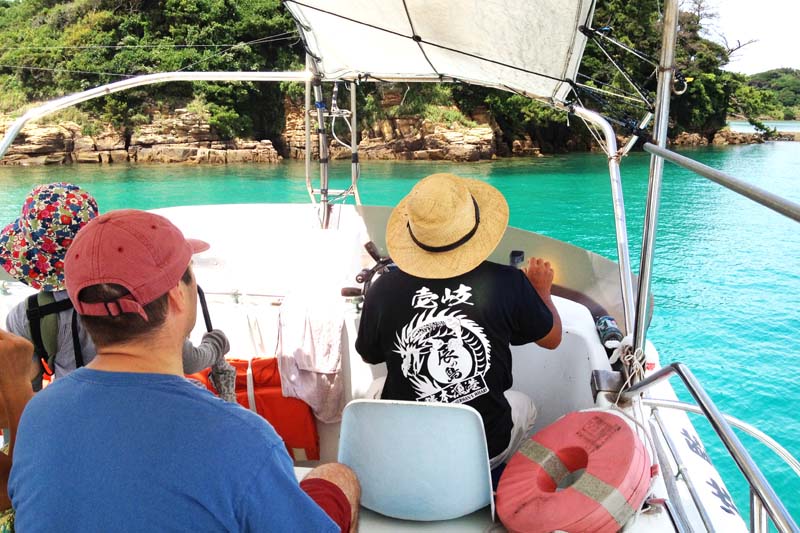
[(595, 132), (628, 96), (335, 113), (609, 93), (639, 100), (626, 121), (632, 361), (647, 438), (22, 67)]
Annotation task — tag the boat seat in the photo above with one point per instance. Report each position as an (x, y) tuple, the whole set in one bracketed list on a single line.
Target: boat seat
[(417, 461), (477, 522)]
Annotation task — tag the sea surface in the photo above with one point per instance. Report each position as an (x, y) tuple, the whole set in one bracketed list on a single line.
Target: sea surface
[(726, 272), (780, 125)]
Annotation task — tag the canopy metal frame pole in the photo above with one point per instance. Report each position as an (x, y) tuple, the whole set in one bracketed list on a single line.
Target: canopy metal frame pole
[(319, 104), (665, 78), (625, 277), (354, 163), (307, 123), (632, 141), (138, 81)]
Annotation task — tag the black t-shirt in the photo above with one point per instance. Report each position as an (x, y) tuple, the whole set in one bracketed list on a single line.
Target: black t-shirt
[(447, 340)]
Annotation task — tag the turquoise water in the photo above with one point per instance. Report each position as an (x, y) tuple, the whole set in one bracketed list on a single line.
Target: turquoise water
[(780, 125), (726, 276)]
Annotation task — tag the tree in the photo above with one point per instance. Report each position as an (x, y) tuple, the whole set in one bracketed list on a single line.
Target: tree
[(784, 82), (51, 48)]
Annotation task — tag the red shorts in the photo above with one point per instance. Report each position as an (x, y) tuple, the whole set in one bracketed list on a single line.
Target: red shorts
[(331, 498)]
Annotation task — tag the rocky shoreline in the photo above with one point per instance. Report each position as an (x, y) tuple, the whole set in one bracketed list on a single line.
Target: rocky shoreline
[(409, 138), (186, 137), (182, 138), (727, 137)]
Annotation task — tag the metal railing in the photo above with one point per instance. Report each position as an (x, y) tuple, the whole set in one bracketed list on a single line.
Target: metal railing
[(758, 195), (753, 431), (763, 497), (676, 508), (684, 473)]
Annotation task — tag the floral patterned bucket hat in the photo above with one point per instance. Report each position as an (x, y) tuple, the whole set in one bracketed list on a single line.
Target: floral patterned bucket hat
[(33, 247)]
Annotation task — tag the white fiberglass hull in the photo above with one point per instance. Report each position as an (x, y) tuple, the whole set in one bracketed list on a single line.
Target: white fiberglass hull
[(263, 255)]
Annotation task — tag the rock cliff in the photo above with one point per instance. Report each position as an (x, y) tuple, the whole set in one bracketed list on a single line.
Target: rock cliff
[(187, 137), (184, 137), (725, 137), (409, 138)]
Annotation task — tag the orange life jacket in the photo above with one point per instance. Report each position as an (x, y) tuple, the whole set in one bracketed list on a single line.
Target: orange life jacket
[(291, 418)]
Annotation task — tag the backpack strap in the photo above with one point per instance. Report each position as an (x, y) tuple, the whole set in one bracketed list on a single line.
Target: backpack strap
[(44, 329), (76, 342)]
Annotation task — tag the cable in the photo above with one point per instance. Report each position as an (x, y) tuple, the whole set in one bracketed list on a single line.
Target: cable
[(285, 35), (261, 40), (621, 96), (22, 67), (418, 39), (593, 32), (621, 71)]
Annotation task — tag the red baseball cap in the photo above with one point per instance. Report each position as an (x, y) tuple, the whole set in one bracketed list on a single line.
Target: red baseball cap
[(143, 252)]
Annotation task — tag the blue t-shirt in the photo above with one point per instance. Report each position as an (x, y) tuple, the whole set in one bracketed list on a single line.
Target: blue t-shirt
[(115, 451)]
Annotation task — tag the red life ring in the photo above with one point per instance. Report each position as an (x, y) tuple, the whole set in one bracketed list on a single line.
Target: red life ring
[(585, 472)]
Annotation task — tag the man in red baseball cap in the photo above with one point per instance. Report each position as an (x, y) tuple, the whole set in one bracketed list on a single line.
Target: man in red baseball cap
[(127, 443)]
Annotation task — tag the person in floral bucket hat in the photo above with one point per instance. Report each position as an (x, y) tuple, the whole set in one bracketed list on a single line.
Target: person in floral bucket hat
[(32, 250)]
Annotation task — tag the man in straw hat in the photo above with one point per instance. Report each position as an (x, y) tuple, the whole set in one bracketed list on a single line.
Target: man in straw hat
[(33, 248), (444, 321), (127, 443)]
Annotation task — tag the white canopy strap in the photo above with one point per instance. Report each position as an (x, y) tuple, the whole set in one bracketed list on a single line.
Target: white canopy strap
[(526, 46)]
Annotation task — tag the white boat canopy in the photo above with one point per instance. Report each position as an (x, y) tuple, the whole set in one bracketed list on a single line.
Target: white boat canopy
[(528, 46)]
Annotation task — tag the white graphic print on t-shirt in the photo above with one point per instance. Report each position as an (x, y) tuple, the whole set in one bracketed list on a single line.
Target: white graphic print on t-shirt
[(445, 355)]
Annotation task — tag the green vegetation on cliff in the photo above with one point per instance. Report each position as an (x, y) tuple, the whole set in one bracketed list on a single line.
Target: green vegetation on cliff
[(49, 48), (711, 93), (784, 84)]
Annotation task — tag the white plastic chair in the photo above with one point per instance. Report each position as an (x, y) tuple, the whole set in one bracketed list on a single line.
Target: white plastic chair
[(417, 461)]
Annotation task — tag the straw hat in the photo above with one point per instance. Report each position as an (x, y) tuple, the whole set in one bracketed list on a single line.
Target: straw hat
[(32, 248), (446, 226)]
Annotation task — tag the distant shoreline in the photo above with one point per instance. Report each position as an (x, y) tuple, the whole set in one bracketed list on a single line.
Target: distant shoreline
[(784, 126)]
